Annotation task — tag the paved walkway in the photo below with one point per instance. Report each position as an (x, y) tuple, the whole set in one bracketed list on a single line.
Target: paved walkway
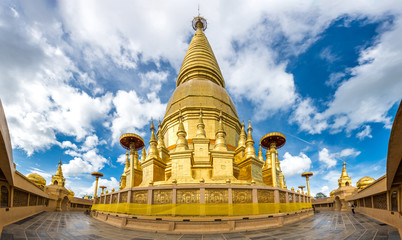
[(77, 225)]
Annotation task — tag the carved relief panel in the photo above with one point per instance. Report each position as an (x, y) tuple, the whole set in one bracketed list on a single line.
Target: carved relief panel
[(123, 197), (114, 198), (216, 195), (188, 195), (290, 196), (162, 196), (282, 197), (139, 197), (242, 195), (108, 199), (265, 196)]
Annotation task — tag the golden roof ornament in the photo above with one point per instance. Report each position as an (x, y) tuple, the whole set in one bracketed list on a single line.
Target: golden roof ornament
[(59, 172), (200, 61), (364, 182), (181, 143), (250, 151), (200, 127), (344, 172), (242, 137), (220, 144), (159, 135), (127, 164), (37, 179), (143, 155), (153, 150)]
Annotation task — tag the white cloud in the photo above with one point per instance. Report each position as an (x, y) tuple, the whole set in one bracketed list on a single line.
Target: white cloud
[(88, 162), (327, 158), (133, 112), (153, 80), (332, 177), (349, 152), (306, 116), (275, 86), (325, 190), (293, 165), (68, 144), (122, 159), (328, 55), (330, 159), (366, 132)]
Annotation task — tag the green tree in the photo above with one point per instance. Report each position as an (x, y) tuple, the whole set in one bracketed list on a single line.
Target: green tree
[(320, 195)]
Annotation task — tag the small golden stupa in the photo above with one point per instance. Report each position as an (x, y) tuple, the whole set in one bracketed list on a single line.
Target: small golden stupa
[(364, 182), (37, 179), (58, 178)]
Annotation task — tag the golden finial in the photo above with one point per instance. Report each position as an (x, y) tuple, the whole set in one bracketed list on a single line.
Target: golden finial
[(143, 155), (242, 137), (200, 127), (159, 135), (153, 150), (181, 143), (220, 144), (250, 151), (127, 163)]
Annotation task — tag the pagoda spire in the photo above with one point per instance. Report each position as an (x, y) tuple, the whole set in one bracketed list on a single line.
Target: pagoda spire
[(200, 61), (153, 150), (344, 172), (242, 137), (220, 143), (200, 127), (127, 163), (181, 143), (159, 135), (250, 151), (59, 170)]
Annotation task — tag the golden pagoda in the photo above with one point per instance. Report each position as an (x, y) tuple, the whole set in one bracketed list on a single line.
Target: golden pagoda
[(201, 160), (58, 178), (344, 180)]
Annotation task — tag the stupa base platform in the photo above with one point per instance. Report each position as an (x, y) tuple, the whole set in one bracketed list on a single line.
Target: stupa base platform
[(200, 224)]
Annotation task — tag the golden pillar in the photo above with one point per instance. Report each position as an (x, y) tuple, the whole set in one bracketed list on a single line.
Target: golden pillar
[(301, 187), (97, 175), (133, 143), (103, 188), (307, 175), (272, 142)]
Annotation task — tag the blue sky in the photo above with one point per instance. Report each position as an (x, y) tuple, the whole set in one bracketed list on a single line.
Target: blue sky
[(75, 75)]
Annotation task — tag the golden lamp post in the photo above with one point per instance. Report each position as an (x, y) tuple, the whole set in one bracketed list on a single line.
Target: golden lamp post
[(133, 143), (103, 188), (307, 175), (272, 142), (97, 175), (301, 187)]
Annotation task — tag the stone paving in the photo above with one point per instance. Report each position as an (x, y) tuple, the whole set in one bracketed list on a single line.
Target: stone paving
[(77, 225)]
